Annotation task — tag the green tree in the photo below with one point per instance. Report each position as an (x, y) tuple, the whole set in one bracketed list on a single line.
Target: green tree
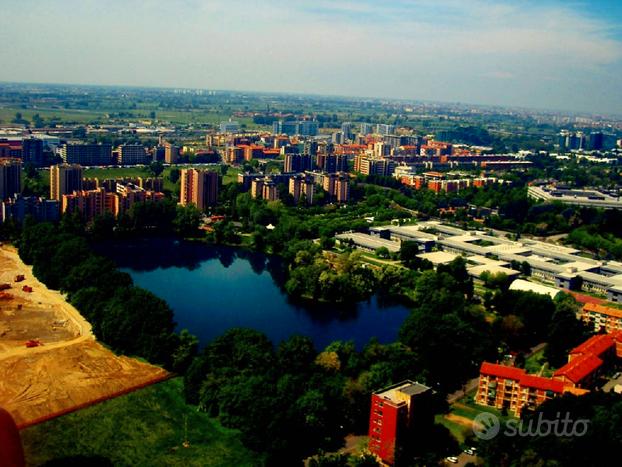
[(382, 252), (187, 220), (174, 175), (156, 168), (408, 253), (564, 331)]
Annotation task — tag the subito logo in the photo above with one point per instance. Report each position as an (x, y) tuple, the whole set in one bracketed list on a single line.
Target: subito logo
[(486, 426)]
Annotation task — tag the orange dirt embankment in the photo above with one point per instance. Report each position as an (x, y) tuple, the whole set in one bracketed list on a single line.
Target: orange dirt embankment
[(70, 369)]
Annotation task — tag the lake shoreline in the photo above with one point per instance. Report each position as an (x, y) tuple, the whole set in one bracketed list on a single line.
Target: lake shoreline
[(212, 288)]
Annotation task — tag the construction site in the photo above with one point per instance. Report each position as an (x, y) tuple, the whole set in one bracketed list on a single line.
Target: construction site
[(50, 361)]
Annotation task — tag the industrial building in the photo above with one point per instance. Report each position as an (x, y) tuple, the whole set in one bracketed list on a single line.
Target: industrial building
[(561, 267), (367, 242), (577, 197)]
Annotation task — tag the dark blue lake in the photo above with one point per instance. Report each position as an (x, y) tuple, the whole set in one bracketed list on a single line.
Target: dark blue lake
[(212, 289)]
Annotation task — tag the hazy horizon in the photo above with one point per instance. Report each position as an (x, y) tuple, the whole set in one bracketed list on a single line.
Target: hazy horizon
[(558, 56)]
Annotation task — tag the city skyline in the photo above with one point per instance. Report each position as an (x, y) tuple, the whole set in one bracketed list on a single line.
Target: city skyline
[(560, 56)]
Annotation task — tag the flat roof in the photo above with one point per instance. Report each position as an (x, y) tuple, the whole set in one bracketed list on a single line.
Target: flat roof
[(526, 286), (493, 269), (407, 388), (369, 241), (479, 259), (438, 257)]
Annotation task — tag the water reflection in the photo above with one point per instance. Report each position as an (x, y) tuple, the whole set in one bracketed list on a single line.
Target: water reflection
[(214, 288)]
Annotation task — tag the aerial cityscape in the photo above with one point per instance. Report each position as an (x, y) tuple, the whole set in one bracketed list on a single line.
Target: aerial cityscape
[(225, 246)]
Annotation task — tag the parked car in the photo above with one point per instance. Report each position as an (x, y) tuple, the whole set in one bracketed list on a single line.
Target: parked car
[(452, 459)]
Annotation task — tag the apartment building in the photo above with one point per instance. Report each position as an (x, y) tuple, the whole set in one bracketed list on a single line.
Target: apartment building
[(65, 179), (198, 187), (10, 178), (302, 186), (171, 153), (396, 412), (87, 154), (600, 317), (132, 154), (512, 389)]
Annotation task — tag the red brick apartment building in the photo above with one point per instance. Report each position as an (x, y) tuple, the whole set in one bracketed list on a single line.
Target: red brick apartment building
[(394, 413), (503, 386)]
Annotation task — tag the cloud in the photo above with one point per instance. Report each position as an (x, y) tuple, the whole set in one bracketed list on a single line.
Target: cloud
[(474, 50)]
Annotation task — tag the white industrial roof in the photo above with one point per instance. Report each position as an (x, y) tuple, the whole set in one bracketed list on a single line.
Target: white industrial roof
[(526, 286)]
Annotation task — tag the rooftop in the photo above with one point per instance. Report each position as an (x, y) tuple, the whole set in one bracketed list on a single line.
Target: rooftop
[(603, 310), (579, 368), (526, 286), (401, 392), (438, 257)]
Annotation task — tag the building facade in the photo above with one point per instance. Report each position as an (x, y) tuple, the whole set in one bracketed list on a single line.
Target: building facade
[(198, 187), (395, 412), (10, 178), (600, 317), (86, 154), (19, 207), (298, 163), (32, 151), (302, 187), (512, 389), (132, 154), (65, 179), (171, 153)]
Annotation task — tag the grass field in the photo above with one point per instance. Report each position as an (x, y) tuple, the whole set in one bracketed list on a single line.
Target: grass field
[(144, 428), (536, 363), (68, 116), (459, 421)]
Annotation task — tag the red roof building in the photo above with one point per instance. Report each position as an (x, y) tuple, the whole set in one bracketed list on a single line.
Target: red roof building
[(511, 388), (579, 371)]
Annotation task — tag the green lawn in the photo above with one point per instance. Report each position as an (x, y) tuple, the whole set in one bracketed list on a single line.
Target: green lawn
[(232, 176), (536, 363), (144, 428), (101, 115), (64, 115), (458, 431)]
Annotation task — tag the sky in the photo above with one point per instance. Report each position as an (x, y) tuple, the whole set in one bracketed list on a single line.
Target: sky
[(550, 54)]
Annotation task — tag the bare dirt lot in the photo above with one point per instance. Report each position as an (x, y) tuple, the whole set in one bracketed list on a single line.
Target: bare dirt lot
[(69, 369)]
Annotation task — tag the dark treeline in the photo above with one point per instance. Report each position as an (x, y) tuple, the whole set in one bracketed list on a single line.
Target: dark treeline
[(591, 436), (129, 319), (292, 400)]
